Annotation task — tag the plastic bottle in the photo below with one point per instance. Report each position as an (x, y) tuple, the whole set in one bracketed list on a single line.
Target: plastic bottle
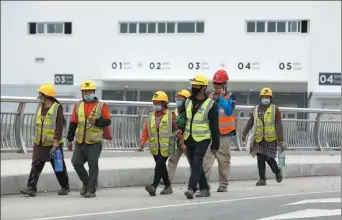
[(281, 159), (58, 161), (172, 144)]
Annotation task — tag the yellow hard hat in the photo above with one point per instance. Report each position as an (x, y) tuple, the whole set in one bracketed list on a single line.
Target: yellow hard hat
[(184, 93), (88, 85), (47, 89), (160, 96), (200, 79), (266, 91)]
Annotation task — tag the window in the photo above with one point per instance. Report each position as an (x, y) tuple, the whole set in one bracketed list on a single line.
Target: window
[(123, 28), (281, 26), (292, 26), (170, 28), (152, 28), (199, 27), (142, 27), (50, 28), (161, 27), (260, 26), (186, 27), (132, 28), (304, 26), (250, 26), (271, 26)]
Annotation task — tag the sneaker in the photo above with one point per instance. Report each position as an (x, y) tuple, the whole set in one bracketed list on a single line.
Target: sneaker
[(29, 192), (63, 192), (83, 190), (279, 176), (166, 191), (222, 189), (203, 193), (189, 194), (261, 182), (151, 190), (89, 195)]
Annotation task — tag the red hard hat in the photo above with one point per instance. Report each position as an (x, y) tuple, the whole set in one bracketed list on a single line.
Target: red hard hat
[(220, 76)]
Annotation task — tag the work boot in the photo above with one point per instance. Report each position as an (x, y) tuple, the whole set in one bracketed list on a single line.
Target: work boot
[(83, 190), (222, 189), (89, 195), (279, 175), (203, 193), (151, 190), (261, 182), (166, 191), (30, 192), (63, 192), (189, 194)]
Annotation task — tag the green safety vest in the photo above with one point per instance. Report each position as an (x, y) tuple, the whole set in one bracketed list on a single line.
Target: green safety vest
[(199, 123), (85, 129), (45, 127), (265, 129), (162, 138)]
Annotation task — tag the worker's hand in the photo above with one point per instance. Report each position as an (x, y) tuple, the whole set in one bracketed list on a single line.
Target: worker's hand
[(70, 145), (53, 152), (243, 138), (178, 133), (220, 92), (55, 144), (183, 148), (142, 144)]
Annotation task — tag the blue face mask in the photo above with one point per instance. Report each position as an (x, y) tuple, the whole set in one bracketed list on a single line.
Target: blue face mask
[(179, 103), (41, 100), (89, 98), (265, 101), (157, 108)]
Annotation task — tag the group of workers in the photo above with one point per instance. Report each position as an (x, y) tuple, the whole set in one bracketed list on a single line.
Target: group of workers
[(202, 127)]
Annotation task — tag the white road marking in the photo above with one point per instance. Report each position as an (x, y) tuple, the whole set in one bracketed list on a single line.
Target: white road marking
[(307, 213), (181, 205), (328, 200)]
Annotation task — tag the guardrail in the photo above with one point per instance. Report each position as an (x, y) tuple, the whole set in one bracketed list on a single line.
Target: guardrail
[(311, 133)]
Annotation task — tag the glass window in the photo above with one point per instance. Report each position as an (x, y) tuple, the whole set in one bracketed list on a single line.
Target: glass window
[(199, 27), (292, 26), (260, 26), (59, 28), (161, 28), (152, 28), (186, 27), (271, 26), (142, 27), (281, 26), (132, 28), (123, 28), (40, 28), (250, 26), (170, 27)]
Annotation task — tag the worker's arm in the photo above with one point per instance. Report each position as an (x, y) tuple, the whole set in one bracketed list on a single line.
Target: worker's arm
[(248, 126), (144, 135), (174, 122), (59, 124), (228, 105), (279, 125), (72, 125), (105, 119), (214, 127)]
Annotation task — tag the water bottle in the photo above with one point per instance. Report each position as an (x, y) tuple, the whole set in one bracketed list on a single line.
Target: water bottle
[(58, 161), (281, 159), (172, 144)]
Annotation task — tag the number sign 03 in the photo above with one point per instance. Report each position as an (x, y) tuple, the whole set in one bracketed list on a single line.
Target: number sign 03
[(64, 79)]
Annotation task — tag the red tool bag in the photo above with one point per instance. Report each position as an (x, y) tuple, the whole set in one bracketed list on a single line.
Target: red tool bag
[(107, 134)]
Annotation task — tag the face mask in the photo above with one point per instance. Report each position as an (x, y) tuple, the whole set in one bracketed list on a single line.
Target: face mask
[(89, 98), (179, 103), (195, 91), (265, 101), (41, 100), (157, 108)]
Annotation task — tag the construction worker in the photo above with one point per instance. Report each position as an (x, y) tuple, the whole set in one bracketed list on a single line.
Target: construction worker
[(47, 139), (268, 135), (181, 96), (157, 132), (201, 129), (226, 104), (88, 120)]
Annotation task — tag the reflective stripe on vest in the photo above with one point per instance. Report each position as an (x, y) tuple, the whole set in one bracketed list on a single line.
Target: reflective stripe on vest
[(159, 136), (85, 129), (198, 124), (265, 129), (226, 123), (45, 127)]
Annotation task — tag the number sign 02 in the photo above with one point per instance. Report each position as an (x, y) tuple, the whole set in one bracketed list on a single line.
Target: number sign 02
[(64, 79)]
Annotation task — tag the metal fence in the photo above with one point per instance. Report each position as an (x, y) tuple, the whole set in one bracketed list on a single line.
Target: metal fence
[(312, 132)]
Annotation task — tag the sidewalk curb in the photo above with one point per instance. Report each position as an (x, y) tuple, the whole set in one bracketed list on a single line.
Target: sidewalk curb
[(12, 184)]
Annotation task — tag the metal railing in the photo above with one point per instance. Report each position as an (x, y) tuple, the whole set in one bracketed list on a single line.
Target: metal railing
[(312, 132)]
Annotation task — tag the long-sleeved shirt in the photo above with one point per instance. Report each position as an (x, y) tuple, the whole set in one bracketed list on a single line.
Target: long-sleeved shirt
[(158, 115), (228, 107), (213, 121), (101, 122)]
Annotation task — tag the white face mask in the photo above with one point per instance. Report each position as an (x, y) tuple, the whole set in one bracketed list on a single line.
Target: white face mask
[(265, 101)]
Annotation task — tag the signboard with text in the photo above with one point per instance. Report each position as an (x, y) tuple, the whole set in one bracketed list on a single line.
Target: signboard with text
[(64, 79), (329, 79)]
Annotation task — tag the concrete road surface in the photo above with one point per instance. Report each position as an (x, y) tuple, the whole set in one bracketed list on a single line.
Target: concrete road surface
[(301, 198)]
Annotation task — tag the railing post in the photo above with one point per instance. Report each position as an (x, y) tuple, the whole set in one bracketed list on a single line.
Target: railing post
[(237, 130), (19, 124), (139, 129), (317, 132)]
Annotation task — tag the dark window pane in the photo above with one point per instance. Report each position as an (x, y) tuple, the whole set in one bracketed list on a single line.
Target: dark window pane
[(170, 27), (123, 28), (50, 28), (32, 28), (67, 28), (152, 28), (132, 28), (59, 28), (271, 26), (260, 26), (281, 26), (142, 27), (250, 26), (186, 27), (200, 27), (305, 26), (161, 28)]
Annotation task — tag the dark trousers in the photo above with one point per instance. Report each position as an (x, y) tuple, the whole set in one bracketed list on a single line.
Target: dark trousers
[(196, 152), (262, 165), (160, 171), (87, 153), (37, 168)]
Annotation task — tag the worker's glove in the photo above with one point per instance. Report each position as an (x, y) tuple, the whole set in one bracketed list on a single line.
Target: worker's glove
[(53, 152), (281, 146)]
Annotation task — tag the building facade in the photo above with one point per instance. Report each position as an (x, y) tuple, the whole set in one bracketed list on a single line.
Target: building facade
[(132, 49)]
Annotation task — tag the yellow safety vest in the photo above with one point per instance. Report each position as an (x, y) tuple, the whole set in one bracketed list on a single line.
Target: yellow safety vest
[(85, 129), (265, 129), (198, 126), (162, 138), (45, 127)]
